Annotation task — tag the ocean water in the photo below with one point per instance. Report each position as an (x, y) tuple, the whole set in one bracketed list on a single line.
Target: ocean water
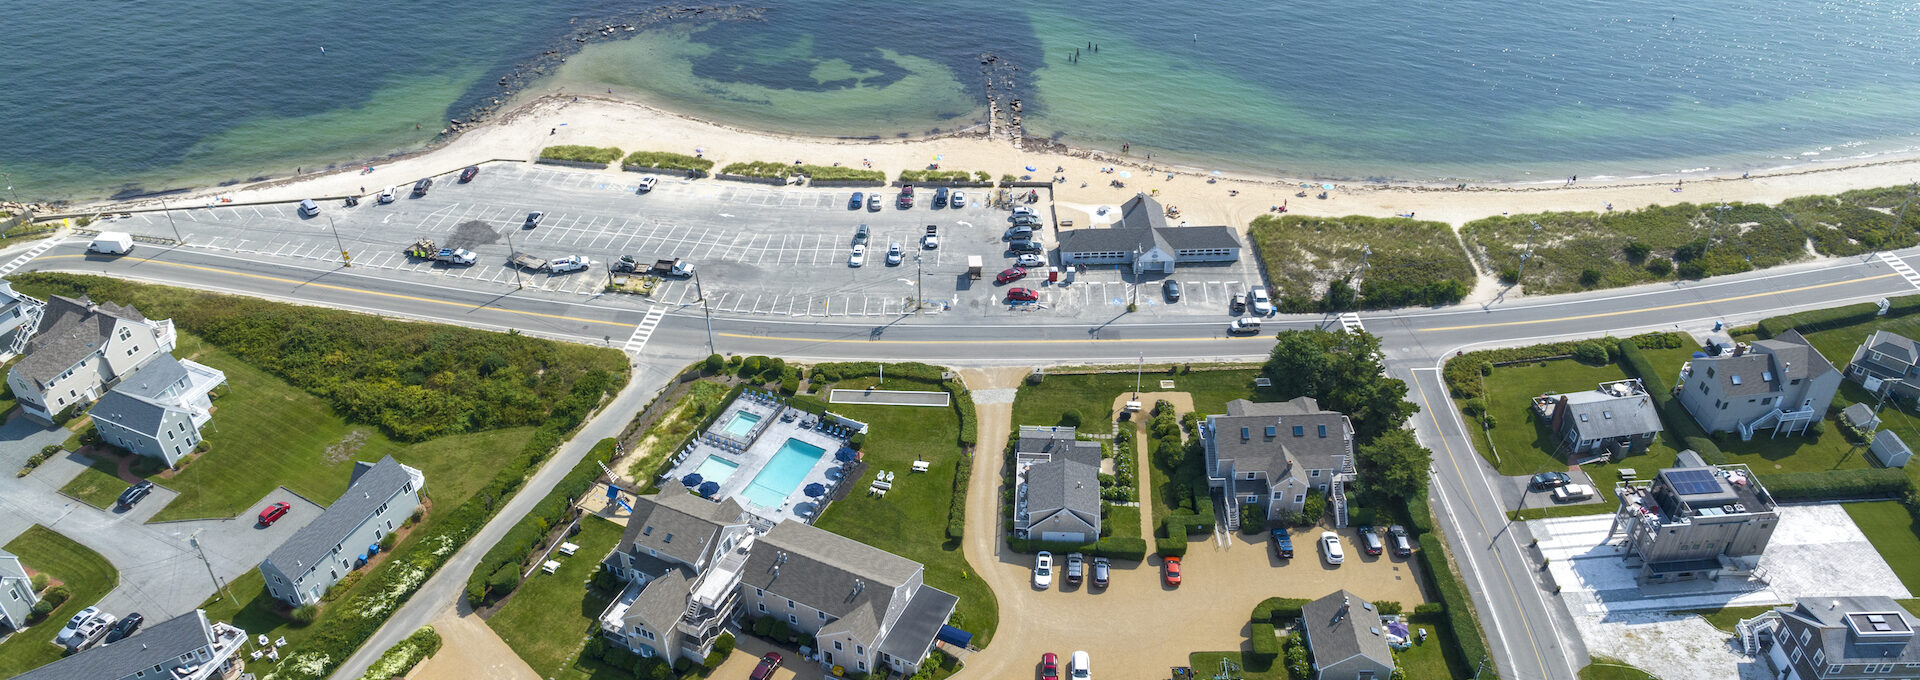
[(109, 98)]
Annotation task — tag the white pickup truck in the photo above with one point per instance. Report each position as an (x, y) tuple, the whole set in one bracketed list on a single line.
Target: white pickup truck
[(1572, 492), (571, 263)]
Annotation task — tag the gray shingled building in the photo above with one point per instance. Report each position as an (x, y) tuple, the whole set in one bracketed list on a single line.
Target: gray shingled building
[(185, 647), (1142, 239), (1059, 497), (1347, 638), (1781, 384), (1617, 418), (1842, 637), (1277, 453), (16, 593), (1694, 521), (79, 349), (158, 411), (378, 500), (692, 565), (1885, 364)]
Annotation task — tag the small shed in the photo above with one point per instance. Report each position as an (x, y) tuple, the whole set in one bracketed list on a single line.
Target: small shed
[(1889, 450), (1862, 416)]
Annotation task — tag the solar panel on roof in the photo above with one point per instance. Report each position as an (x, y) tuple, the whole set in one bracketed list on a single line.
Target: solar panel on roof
[(1693, 482)]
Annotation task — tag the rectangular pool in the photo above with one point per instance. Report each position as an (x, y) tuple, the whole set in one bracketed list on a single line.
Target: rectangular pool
[(783, 473), (716, 469), (742, 423)]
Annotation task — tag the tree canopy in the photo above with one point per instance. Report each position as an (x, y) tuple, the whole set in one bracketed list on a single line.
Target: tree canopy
[(1341, 371), (1393, 465)]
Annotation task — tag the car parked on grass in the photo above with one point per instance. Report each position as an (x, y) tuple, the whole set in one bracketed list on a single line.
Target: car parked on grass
[(768, 664), (1330, 548), (1282, 544), (273, 513), (124, 628), (858, 198), (1402, 544), (1013, 274), (1049, 666), (859, 256), (1170, 571), (1101, 568), (1549, 480), (1043, 570), (1022, 295), (647, 184), (1370, 541), (134, 493), (1261, 302), (533, 220)]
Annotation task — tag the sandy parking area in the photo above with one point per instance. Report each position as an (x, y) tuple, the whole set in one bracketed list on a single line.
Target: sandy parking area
[(469, 649)]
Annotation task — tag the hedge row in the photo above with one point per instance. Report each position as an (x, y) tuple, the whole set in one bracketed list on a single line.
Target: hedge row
[(1672, 414), (1129, 548), (662, 159), (1838, 484), (583, 154), (957, 508), (498, 573), (1454, 601), (403, 656), (918, 176), (1837, 316)]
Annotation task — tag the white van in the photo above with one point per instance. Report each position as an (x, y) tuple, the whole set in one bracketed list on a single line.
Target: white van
[(1080, 666), (308, 207), (111, 243)]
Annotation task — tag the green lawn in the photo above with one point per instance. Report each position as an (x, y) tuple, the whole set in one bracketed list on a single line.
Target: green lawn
[(267, 433), (1206, 664), (1438, 657), (99, 485), (1124, 521), (87, 576), (912, 519), (1603, 668), (1893, 533), (1092, 394), (547, 619)]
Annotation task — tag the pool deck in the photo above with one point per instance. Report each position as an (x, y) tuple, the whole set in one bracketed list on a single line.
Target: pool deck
[(778, 423)]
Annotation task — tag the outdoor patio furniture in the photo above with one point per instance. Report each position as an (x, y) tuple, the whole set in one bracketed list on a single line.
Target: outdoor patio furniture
[(921, 465), (883, 493), (264, 640), (887, 474), (550, 566), (282, 642), (568, 548), (256, 654)]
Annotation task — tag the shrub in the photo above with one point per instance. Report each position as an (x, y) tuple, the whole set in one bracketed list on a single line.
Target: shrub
[(498, 572), (715, 362), (1316, 508), (1590, 353), (40, 582), (1636, 251), (713, 660), (1266, 646), (1660, 267), (1428, 609), (918, 176), (724, 644), (1070, 418), (662, 159), (1172, 545), (387, 541), (1589, 277), (1298, 665), (763, 169), (583, 154), (857, 441), (304, 615)]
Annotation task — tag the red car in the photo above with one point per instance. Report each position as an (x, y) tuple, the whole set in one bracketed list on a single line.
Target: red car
[(1170, 570), (273, 513), (1022, 295), (1014, 274), (1049, 666), (467, 174), (768, 664)]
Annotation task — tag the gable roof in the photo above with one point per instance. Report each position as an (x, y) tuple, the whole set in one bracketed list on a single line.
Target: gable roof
[(1827, 616), (1598, 415), (662, 602), (10, 566), (1193, 238), (1895, 346), (1069, 481), (1141, 212), (70, 330), (138, 415), (677, 525), (1142, 227), (307, 547), (1257, 452), (1751, 368), (161, 644), (847, 579), (1342, 626), (1796, 358), (914, 631)]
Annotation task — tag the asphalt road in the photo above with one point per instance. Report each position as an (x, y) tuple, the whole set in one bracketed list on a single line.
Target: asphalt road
[(1529, 631)]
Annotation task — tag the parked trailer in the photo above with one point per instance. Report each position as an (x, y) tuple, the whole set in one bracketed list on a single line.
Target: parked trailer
[(527, 262), (974, 265), (628, 264)]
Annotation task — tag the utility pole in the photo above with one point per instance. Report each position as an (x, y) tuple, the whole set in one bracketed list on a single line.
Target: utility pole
[(1137, 370), (1720, 215), (518, 282), (345, 259), (703, 307), (176, 227), (194, 540), (1526, 254), (919, 268), (9, 178)]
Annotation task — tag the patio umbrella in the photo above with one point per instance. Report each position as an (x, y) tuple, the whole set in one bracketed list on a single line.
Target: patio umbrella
[(691, 480), (815, 490), (844, 455), (709, 489), (803, 509), (835, 474)]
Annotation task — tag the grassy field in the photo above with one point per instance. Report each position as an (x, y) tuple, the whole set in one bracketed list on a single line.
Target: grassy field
[(1603, 668), (1570, 245), (666, 433), (87, 576), (1206, 664), (1438, 657), (99, 485), (1302, 255), (547, 619), (1893, 534), (911, 520), (1124, 521), (1092, 394), (267, 433)]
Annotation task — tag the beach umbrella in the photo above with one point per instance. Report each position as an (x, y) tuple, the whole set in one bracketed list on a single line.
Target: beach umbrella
[(1328, 187), (691, 480), (709, 489), (939, 157), (815, 490), (1215, 173), (1124, 174), (1032, 169)]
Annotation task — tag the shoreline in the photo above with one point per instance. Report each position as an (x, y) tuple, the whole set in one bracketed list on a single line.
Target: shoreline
[(1204, 197)]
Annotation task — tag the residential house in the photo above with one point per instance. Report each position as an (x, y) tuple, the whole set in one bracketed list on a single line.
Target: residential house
[(867, 608), (185, 647), (379, 498), (1615, 419), (1885, 364), (1829, 638), (1783, 384), (1142, 240), (1888, 450), (1347, 639), (159, 410), (1059, 498), (16, 593), (1274, 454), (81, 349), (1694, 521)]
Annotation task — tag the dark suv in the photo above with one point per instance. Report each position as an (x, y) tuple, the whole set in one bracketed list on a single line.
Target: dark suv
[(134, 493), (420, 188), (1282, 544), (1370, 541)]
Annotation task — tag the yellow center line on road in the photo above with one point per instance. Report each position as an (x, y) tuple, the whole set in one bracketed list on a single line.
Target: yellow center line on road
[(362, 291), (1677, 305), (863, 341), (1525, 624)]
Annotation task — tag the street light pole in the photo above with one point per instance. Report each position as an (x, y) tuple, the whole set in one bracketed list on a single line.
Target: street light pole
[(176, 227), (9, 178), (698, 292), (919, 269), (345, 260)]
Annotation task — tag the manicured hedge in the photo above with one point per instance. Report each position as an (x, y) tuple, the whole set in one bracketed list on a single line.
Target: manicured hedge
[(584, 154), (1266, 647), (1833, 317), (520, 541), (1173, 545), (1838, 484), (1672, 413), (1278, 611), (1453, 598), (662, 159)]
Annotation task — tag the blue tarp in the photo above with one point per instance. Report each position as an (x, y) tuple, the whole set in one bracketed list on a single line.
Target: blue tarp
[(954, 636)]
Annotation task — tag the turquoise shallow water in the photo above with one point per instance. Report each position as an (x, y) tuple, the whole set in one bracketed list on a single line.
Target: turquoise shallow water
[(171, 93)]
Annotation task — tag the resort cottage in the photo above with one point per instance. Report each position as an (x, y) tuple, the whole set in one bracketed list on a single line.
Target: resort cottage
[(378, 500), (1275, 454)]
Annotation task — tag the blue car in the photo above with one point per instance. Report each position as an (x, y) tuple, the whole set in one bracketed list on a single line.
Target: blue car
[(857, 199), (1282, 544)]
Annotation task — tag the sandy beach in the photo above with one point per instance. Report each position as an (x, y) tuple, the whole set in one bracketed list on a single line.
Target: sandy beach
[(1202, 197)]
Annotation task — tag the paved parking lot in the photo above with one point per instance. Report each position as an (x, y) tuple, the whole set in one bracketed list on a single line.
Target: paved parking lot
[(761, 250)]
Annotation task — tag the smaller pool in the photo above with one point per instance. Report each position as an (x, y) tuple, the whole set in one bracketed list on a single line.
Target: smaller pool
[(716, 469), (742, 423)]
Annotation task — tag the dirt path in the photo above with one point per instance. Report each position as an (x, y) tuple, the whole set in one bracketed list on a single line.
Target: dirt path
[(469, 649), (1182, 403), (993, 405)]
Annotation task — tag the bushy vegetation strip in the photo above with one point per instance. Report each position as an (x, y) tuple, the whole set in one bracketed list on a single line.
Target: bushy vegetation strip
[(670, 161), (498, 573), (402, 657), (772, 170), (581, 154), (1316, 263)]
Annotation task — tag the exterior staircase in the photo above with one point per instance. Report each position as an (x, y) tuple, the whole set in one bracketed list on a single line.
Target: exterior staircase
[(31, 311), (1339, 491), (1753, 631)]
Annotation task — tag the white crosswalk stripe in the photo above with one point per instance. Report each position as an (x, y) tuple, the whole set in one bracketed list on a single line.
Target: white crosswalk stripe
[(1351, 322), (1901, 267), (645, 329), (28, 256)]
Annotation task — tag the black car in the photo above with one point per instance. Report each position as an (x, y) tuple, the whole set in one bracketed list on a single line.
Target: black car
[(1550, 480), (1024, 246), (1172, 289), (134, 493), (467, 174), (1402, 545), (124, 628), (940, 197), (1282, 544), (1370, 541), (420, 188)]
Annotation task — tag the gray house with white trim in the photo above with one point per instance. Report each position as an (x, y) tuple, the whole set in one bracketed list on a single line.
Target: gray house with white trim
[(1143, 241), (1059, 491), (1616, 418), (159, 410), (16, 593), (1887, 364), (1782, 384), (1347, 638), (80, 349), (378, 501), (1277, 453), (1828, 638), (185, 647)]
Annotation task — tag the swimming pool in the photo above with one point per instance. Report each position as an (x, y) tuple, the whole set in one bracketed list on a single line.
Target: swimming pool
[(742, 423), (783, 473), (716, 469)]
